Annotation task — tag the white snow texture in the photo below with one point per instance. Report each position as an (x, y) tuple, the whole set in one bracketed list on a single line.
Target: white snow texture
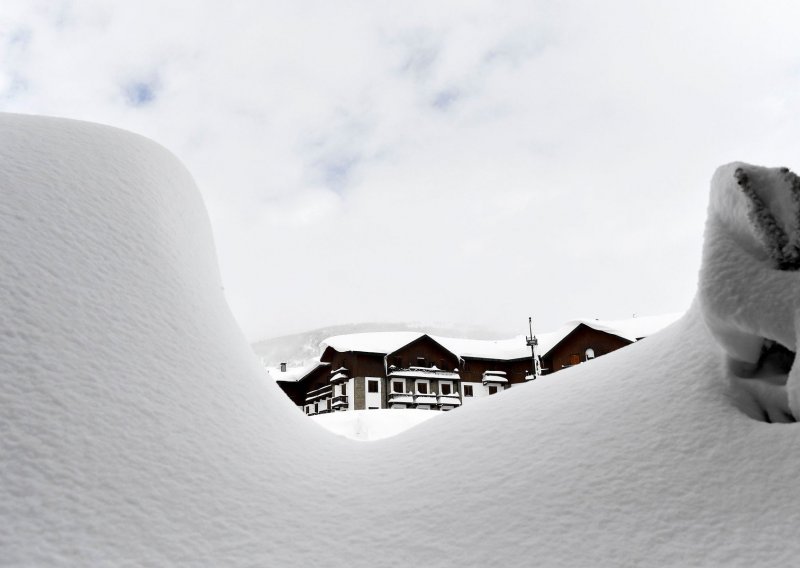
[(749, 287), (136, 428)]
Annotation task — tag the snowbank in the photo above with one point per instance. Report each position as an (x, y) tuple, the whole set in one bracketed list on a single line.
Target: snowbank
[(137, 427)]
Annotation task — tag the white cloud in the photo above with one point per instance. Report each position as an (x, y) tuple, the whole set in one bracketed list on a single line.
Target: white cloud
[(431, 161)]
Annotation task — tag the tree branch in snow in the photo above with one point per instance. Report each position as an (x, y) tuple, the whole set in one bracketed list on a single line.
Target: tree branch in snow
[(762, 219), (792, 249)]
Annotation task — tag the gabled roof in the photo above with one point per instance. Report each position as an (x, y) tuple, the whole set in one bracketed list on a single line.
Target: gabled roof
[(298, 374), (429, 338), (385, 342), (631, 329)]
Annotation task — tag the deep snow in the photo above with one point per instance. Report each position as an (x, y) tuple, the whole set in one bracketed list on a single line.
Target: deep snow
[(138, 429), (371, 425)]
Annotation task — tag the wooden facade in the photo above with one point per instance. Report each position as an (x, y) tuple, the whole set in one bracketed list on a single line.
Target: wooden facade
[(582, 344)]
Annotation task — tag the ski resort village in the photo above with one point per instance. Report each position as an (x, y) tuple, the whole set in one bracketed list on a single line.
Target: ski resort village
[(414, 370)]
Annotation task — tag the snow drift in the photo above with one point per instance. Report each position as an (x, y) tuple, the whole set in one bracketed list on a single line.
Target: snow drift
[(137, 428)]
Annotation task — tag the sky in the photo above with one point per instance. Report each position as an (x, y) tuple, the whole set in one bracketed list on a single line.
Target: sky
[(459, 162)]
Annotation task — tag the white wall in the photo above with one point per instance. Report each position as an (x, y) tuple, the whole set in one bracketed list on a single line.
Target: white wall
[(372, 398), (351, 394), (478, 391)]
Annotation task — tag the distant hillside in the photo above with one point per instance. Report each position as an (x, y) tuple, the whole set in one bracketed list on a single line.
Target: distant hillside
[(302, 349)]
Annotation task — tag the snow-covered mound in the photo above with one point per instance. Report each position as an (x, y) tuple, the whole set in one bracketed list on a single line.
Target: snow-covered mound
[(137, 428), (749, 288)]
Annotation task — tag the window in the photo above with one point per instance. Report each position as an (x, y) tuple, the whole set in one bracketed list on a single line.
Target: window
[(316, 408), (589, 353), (421, 362), (327, 404), (422, 388), (344, 389), (446, 388), (372, 386), (397, 386), (467, 390), (492, 390)]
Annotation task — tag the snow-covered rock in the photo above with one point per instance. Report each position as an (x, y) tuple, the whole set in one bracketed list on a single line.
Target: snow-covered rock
[(138, 429)]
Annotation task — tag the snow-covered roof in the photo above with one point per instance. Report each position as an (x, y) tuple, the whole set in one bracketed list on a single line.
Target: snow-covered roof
[(503, 349), (389, 341), (631, 329), (374, 342), (294, 374)]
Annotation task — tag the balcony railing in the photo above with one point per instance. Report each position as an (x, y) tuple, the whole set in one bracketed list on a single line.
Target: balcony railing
[(340, 400), (449, 400), (425, 399), (401, 397)]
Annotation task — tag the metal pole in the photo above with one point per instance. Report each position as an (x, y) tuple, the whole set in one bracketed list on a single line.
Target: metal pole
[(532, 342)]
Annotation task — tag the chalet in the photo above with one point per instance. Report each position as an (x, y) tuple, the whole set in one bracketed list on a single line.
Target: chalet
[(416, 370)]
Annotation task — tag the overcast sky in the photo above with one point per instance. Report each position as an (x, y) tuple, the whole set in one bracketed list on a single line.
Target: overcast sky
[(464, 162)]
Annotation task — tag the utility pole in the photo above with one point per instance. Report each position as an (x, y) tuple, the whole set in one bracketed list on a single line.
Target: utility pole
[(532, 342)]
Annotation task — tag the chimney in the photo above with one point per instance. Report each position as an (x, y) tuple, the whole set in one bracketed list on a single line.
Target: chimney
[(283, 367)]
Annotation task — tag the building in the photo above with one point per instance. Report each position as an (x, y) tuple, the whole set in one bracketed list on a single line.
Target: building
[(582, 340), (416, 370)]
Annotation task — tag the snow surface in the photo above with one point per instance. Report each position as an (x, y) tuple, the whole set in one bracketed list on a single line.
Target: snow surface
[(371, 425), (137, 427)]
